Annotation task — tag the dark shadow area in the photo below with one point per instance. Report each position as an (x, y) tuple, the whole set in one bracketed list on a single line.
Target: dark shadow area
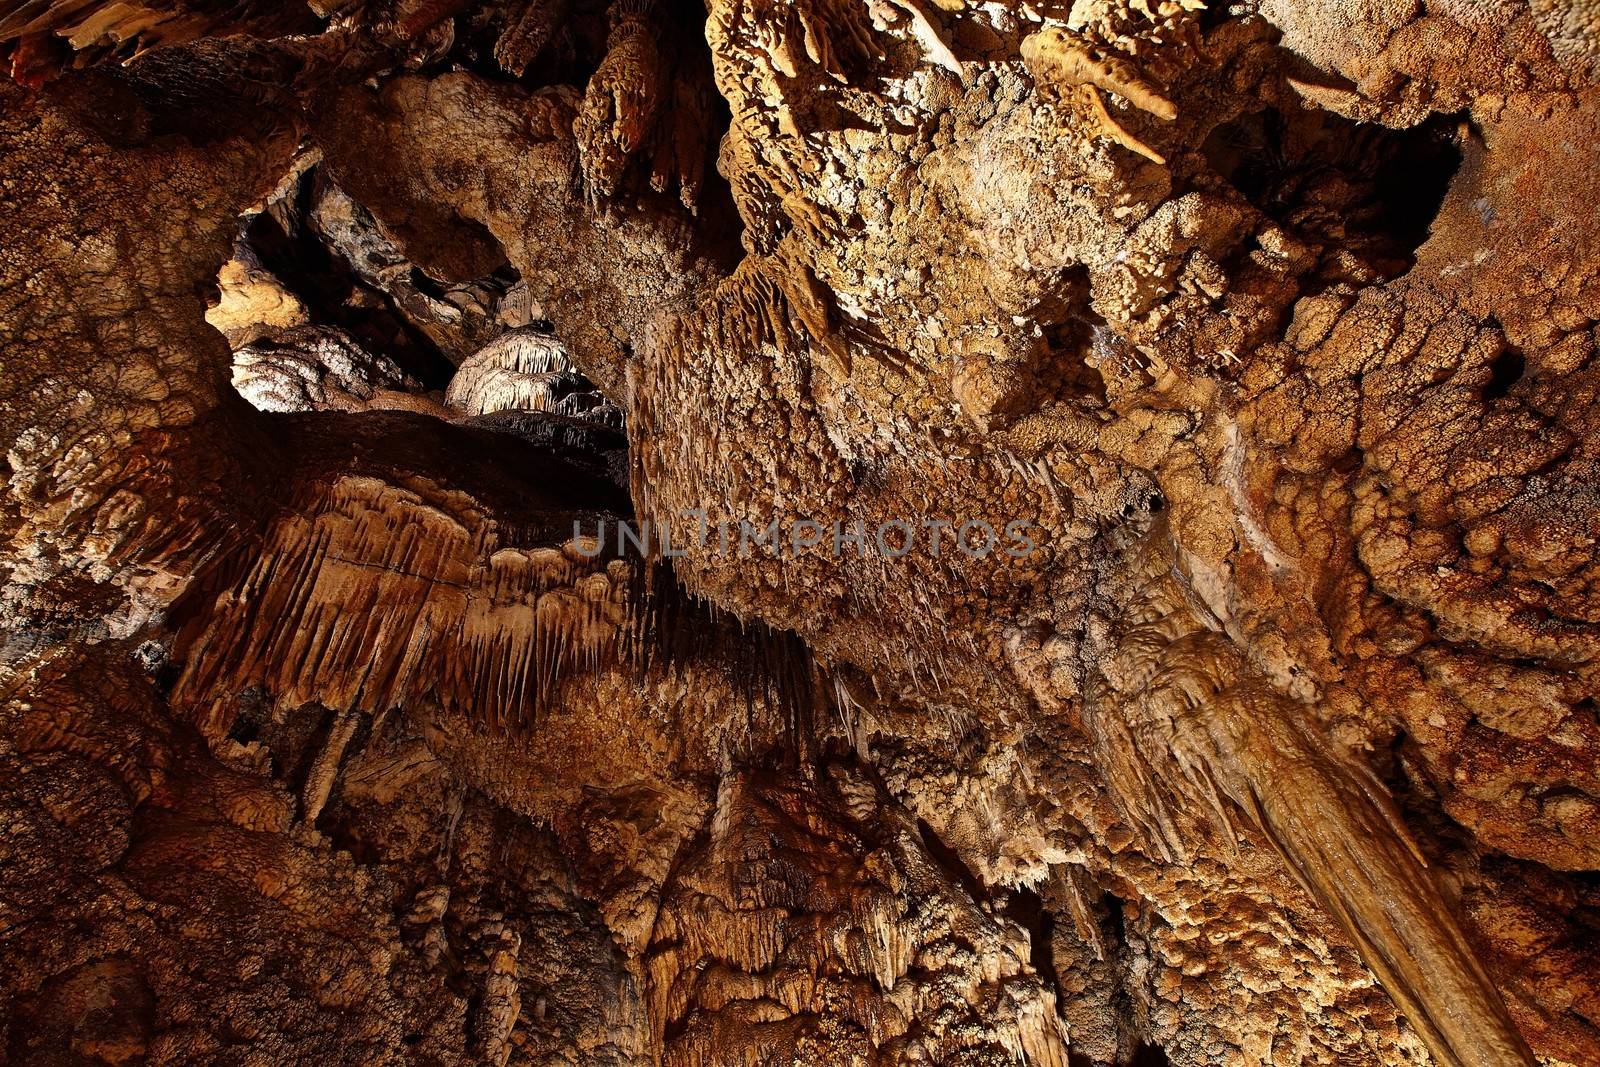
[(561, 44), (1148, 1055), (334, 295), (1360, 186), (950, 861), (1072, 368), (564, 43), (1505, 371), (1026, 908)]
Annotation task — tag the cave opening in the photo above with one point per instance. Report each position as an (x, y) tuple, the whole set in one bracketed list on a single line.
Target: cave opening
[(1357, 186), (337, 285), (1505, 371), (325, 723), (1026, 908), (325, 311)]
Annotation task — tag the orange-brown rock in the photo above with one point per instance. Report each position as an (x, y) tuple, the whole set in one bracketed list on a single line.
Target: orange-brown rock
[(800, 532)]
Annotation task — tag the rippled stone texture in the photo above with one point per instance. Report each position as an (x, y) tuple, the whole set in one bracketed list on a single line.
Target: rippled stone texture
[(339, 341)]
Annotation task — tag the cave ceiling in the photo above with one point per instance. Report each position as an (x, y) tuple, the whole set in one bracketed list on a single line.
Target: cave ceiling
[(800, 532)]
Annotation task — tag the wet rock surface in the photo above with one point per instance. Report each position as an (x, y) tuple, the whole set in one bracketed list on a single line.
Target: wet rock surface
[(492, 540)]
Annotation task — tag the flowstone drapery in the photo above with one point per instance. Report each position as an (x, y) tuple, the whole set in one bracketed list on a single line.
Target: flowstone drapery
[(799, 532)]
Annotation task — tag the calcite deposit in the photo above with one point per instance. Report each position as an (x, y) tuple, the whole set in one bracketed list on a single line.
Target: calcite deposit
[(800, 532)]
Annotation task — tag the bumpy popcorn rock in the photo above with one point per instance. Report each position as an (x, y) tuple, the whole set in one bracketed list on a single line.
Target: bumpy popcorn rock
[(560, 630)]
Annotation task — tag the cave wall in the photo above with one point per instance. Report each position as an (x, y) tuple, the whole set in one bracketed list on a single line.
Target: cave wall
[(338, 342)]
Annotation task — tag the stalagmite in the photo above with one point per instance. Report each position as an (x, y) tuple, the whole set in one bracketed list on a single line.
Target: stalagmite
[(502, 1000)]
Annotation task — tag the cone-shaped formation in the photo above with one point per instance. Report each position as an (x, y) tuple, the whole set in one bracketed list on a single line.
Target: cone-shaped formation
[(799, 532)]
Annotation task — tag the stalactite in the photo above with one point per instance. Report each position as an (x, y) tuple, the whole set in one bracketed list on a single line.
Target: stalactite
[(378, 593), (1183, 727), (325, 771), (337, 724)]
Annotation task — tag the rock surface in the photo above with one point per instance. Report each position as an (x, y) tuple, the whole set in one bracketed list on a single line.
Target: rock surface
[(800, 532)]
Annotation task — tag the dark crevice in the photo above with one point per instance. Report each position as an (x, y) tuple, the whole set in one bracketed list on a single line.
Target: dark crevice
[(246, 729), (1148, 1055), (1116, 923), (1215, 14), (333, 294), (950, 861), (1025, 908), (1505, 371), (1356, 186), (1070, 369), (425, 284)]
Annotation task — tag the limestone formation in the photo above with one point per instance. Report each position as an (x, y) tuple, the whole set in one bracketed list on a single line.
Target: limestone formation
[(524, 370), (800, 532), (316, 368)]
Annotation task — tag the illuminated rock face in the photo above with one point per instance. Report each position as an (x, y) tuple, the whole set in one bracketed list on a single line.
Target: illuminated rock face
[(800, 532)]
